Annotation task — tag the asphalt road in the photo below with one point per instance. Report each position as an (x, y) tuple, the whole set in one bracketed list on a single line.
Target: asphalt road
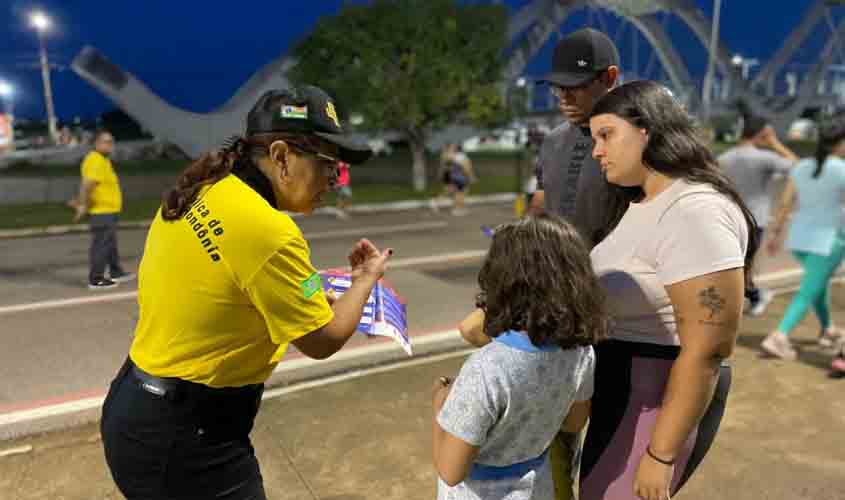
[(60, 342), (55, 345)]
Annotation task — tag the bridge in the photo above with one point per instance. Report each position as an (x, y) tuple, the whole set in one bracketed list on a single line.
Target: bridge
[(529, 30)]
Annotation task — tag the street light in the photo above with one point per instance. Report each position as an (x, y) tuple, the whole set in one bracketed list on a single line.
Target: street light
[(42, 24), (7, 132), (6, 89), (746, 63)]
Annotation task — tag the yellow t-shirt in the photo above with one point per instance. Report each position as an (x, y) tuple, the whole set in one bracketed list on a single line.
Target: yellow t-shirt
[(224, 290), (105, 198)]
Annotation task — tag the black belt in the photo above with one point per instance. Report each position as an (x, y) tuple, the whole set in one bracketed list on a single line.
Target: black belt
[(168, 388), (175, 389)]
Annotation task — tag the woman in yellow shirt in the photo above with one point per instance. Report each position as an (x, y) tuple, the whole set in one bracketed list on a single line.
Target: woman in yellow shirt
[(225, 284)]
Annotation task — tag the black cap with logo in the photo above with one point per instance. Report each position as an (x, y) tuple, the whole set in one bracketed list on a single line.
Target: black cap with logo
[(580, 56), (304, 110)]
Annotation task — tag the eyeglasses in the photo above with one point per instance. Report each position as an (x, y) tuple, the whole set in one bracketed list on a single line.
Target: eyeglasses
[(324, 158), (327, 162)]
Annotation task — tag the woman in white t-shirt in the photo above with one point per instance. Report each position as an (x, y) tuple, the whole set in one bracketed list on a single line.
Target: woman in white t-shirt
[(674, 268)]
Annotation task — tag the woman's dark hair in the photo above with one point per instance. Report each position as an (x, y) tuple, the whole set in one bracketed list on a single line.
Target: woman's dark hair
[(538, 278), (675, 148), (831, 132), (214, 166)]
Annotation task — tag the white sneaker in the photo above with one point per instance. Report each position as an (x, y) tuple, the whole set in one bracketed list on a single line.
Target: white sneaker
[(759, 308), (829, 338), (123, 278), (432, 205), (778, 345)]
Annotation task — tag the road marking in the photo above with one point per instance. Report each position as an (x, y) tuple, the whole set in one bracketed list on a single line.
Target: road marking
[(92, 402), (74, 301), (116, 297)]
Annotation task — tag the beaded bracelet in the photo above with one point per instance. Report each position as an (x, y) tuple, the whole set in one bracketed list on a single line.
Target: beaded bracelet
[(658, 459)]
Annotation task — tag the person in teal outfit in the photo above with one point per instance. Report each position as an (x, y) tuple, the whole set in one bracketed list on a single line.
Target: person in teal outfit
[(815, 237)]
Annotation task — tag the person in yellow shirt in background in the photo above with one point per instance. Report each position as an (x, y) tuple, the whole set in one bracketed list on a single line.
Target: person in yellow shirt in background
[(225, 285), (101, 200)]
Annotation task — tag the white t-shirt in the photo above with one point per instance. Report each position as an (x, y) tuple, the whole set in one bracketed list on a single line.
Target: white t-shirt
[(688, 230)]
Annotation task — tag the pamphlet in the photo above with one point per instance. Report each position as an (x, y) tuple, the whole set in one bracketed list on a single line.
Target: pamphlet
[(385, 313)]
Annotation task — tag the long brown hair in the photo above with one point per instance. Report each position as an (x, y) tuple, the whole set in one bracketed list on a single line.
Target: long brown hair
[(675, 148), (538, 278), (214, 166)]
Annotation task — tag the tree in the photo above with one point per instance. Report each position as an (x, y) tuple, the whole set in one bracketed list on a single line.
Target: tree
[(409, 65)]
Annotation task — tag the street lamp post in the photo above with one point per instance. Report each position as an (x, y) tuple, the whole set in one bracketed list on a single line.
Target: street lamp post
[(711, 59), (42, 23)]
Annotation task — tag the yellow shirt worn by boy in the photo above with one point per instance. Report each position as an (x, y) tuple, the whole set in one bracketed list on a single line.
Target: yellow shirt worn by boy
[(224, 290), (105, 198)]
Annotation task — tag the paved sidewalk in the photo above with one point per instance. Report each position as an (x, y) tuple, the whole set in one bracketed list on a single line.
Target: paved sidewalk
[(367, 437)]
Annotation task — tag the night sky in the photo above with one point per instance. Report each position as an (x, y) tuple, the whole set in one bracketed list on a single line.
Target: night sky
[(197, 54)]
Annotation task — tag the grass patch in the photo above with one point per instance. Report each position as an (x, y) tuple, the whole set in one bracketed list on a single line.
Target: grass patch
[(124, 168), (48, 214)]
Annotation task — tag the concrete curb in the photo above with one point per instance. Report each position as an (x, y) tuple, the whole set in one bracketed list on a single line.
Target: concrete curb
[(381, 353), (364, 208)]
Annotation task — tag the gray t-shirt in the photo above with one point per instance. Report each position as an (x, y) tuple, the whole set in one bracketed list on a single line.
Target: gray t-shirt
[(510, 400), (572, 180), (752, 169)]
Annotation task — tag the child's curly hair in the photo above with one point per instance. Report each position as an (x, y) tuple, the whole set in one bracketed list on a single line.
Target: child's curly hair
[(538, 278)]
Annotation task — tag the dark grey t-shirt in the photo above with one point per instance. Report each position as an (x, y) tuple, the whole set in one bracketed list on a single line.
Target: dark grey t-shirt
[(572, 180), (752, 170)]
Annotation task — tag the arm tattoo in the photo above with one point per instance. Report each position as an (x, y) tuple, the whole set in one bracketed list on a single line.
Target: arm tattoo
[(711, 299)]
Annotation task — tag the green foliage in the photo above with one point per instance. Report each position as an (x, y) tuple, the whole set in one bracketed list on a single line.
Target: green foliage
[(410, 65)]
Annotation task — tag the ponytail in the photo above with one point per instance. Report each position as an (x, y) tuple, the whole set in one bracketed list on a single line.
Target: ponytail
[(208, 169)]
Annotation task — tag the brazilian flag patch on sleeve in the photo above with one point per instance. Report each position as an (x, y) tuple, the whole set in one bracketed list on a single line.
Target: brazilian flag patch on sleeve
[(311, 285)]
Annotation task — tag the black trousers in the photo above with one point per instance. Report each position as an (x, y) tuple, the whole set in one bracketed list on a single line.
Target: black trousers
[(190, 443), (103, 251), (752, 292)]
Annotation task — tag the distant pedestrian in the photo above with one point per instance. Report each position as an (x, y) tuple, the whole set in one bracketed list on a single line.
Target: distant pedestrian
[(816, 237), (101, 200), (461, 175), (343, 190), (752, 166), (495, 424)]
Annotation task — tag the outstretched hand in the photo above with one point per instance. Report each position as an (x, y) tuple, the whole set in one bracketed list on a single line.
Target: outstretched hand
[(366, 260)]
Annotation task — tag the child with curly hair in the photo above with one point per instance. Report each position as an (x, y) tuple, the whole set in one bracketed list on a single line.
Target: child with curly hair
[(543, 311)]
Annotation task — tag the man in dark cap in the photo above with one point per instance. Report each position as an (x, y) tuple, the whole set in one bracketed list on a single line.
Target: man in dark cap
[(585, 66), (752, 165)]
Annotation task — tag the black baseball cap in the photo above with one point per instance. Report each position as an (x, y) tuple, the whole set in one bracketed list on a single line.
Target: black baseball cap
[(304, 109), (579, 57)]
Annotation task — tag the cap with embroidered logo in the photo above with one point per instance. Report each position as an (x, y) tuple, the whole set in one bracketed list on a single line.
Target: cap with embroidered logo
[(304, 110), (580, 57)]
